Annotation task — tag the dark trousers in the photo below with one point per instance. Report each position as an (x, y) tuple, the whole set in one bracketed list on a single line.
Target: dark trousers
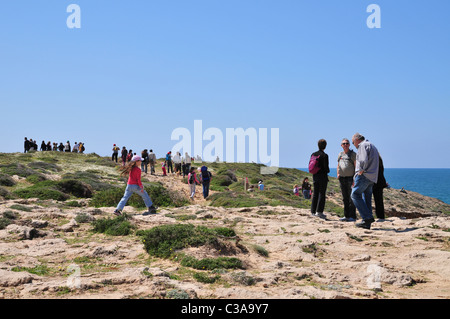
[(320, 190), (169, 166), (346, 190), (377, 192), (114, 157), (205, 189)]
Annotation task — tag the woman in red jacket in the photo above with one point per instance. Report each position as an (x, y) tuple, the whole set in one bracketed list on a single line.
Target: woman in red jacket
[(134, 185)]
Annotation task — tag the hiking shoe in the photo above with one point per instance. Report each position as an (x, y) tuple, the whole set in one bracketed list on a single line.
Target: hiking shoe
[(343, 219), (321, 215), (151, 211), (365, 223), (117, 212), (350, 219)]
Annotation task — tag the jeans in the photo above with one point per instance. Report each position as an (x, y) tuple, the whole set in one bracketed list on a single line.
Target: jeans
[(362, 196), (192, 188), (144, 166), (346, 190), (306, 193), (205, 189), (129, 191)]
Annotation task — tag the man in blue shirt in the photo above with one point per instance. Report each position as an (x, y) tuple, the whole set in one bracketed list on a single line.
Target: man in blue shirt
[(366, 174)]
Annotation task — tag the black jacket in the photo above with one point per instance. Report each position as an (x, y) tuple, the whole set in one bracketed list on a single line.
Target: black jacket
[(323, 164)]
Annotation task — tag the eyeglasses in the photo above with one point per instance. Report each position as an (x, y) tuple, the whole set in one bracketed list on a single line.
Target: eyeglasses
[(345, 143)]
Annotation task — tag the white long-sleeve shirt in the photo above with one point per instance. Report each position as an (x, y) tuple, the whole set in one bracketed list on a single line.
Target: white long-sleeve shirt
[(367, 160)]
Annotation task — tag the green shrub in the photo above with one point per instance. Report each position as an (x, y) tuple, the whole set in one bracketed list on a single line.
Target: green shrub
[(16, 169), (233, 199), (201, 277), (36, 178), (212, 263), (41, 193), (4, 193), (6, 180), (118, 226), (75, 187), (4, 222), (10, 214), (163, 241), (44, 166), (21, 207)]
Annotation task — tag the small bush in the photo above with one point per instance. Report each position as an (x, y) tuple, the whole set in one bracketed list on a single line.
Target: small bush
[(17, 169), (10, 215), (163, 241), (75, 187), (21, 207), (201, 277), (44, 166), (118, 226), (212, 263), (4, 193), (6, 180), (36, 178), (4, 222), (41, 193)]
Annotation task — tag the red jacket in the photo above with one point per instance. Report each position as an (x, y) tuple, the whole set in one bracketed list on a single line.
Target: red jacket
[(135, 177)]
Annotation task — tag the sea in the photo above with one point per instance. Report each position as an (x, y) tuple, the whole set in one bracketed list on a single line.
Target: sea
[(431, 182)]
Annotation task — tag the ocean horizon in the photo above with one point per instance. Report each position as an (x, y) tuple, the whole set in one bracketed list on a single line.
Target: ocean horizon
[(431, 182)]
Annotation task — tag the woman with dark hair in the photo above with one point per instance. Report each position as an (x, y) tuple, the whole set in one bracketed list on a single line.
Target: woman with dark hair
[(320, 181)]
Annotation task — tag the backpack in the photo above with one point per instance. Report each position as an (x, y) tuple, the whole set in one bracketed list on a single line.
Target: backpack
[(313, 166), (205, 173), (191, 178)]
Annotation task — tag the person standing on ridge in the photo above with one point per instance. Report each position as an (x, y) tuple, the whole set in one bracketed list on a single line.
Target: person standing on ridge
[(320, 180), (366, 174), (115, 153), (345, 172), (152, 161)]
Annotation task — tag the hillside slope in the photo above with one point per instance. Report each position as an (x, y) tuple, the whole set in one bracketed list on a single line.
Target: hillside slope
[(236, 244)]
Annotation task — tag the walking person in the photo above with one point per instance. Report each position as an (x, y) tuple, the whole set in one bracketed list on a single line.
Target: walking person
[(366, 174), (206, 179), (320, 180), (134, 186), (115, 153), (152, 161), (187, 161), (345, 172), (378, 192), (177, 162), (144, 164), (169, 162), (26, 145), (124, 155), (192, 181)]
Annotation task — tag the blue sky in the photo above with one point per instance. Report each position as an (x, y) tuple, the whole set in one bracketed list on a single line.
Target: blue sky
[(137, 70)]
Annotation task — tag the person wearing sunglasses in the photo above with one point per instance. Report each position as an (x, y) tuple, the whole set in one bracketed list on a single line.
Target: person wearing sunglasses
[(345, 172)]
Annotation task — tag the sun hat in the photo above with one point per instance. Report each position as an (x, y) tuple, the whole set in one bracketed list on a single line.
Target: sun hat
[(136, 158)]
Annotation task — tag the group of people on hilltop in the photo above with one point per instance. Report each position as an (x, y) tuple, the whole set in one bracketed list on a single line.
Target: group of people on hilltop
[(31, 145), (360, 175)]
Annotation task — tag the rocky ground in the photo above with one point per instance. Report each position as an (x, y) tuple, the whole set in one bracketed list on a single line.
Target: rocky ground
[(45, 253)]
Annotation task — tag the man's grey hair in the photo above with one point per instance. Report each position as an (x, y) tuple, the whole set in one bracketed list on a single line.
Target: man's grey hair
[(358, 137)]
